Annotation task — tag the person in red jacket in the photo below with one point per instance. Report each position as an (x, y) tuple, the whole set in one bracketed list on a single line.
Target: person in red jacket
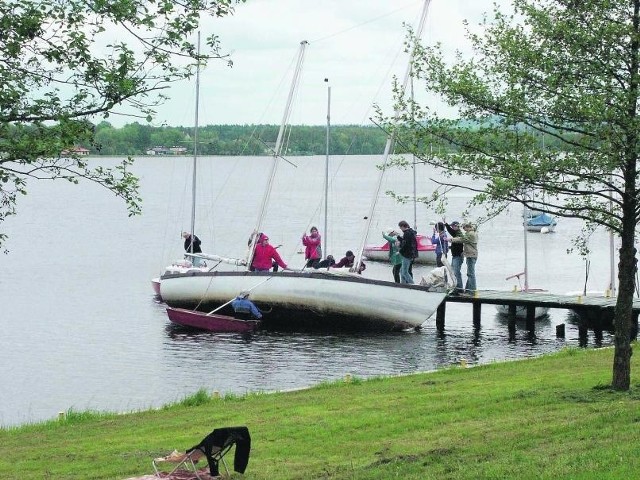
[(313, 248), (265, 255)]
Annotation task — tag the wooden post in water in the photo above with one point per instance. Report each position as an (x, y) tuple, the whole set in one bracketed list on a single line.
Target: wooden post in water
[(531, 318), (511, 327), (477, 308), (511, 322), (440, 314)]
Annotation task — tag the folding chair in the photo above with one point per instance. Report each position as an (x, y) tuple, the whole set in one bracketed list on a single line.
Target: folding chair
[(214, 447)]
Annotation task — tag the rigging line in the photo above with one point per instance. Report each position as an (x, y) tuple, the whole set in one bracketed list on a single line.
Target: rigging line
[(274, 164), (353, 27), (272, 152)]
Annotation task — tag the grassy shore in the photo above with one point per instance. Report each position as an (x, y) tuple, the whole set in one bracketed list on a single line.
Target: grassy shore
[(548, 417)]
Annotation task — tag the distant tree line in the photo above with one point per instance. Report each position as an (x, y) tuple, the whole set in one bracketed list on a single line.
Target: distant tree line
[(137, 139)]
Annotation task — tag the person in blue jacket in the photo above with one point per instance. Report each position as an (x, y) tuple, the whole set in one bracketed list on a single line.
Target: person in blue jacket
[(441, 240), (245, 307)]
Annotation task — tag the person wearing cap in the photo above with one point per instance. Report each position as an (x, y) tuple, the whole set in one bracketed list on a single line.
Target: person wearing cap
[(408, 251), (441, 241), (457, 257), (391, 236), (192, 245), (264, 255), (245, 307), (347, 261), (313, 247), (469, 241)]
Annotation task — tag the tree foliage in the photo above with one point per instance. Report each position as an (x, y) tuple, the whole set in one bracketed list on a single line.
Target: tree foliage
[(63, 62), (565, 69)]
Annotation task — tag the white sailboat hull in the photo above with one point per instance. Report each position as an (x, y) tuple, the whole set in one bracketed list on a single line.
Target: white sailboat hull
[(299, 299)]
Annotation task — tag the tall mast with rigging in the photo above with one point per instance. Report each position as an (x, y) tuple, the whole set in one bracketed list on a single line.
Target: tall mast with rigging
[(326, 171), (390, 141), (277, 151), (195, 150)]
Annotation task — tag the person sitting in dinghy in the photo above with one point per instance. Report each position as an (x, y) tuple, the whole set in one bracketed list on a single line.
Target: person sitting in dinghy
[(264, 256), (245, 308)]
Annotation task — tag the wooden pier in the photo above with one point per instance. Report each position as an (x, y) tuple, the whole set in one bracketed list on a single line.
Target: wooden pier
[(594, 307)]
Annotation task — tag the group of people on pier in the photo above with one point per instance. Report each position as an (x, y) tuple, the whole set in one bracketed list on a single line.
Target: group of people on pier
[(462, 243)]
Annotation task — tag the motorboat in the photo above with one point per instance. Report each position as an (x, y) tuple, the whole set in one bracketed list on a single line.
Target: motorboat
[(426, 251)]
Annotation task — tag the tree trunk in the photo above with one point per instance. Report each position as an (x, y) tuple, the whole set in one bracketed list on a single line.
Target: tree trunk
[(622, 322)]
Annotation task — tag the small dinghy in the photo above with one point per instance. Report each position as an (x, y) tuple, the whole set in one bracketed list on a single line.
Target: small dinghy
[(212, 322)]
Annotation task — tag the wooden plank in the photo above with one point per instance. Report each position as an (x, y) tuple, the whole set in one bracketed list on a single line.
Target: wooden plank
[(497, 297)]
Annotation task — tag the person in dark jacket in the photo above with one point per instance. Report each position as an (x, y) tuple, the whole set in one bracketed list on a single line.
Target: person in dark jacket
[(192, 246), (347, 261), (457, 258), (408, 251)]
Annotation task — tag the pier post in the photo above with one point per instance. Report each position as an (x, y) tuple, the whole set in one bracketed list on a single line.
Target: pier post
[(440, 314), (477, 308), (511, 327), (531, 318)]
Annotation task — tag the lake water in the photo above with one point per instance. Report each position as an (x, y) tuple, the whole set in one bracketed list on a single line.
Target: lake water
[(81, 328)]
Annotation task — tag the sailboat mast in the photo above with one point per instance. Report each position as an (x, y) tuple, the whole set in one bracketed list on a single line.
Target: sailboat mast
[(326, 172), (277, 150), (195, 149), (526, 249), (390, 139), (415, 191)]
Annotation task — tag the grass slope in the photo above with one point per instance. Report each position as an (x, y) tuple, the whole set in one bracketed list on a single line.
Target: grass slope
[(548, 417)]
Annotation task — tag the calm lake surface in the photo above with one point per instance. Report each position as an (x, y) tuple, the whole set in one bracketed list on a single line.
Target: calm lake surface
[(82, 329)]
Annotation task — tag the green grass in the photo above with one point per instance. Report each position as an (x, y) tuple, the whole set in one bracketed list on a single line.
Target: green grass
[(548, 417)]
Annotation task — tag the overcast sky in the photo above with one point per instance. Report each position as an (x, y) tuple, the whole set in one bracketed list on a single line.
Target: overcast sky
[(356, 44)]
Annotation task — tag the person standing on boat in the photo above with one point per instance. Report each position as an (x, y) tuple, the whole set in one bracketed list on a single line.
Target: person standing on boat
[(457, 257), (192, 246), (441, 241), (408, 251), (469, 241), (245, 307), (264, 256), (313, 247), (391, 236)]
